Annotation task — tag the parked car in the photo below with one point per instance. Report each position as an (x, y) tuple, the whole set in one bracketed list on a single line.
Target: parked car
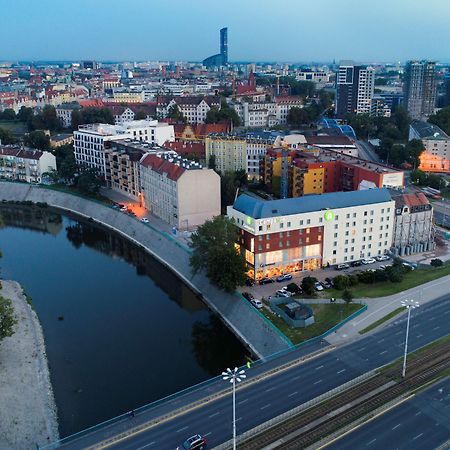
[(282, 293), (368, 261), (326, 284), (256, 303), (356, 263), (408, 265), (294, 288), (382, 267), (342, 266), (382, 258), (318, 286), (144, 220), (124, 209), (266, 280), (121, 205), (196, 442), (329, 281), (248, 296), (286, 276)]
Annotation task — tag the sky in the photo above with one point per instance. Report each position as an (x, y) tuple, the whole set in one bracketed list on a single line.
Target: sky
[(258, 30)]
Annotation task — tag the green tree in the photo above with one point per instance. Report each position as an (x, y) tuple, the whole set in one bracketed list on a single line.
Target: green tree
[(65, 162), (308, 285), (341, 282), (175, 113), (88, 182), (25, 114), (418, 177), (442, 119), (91, 115), (229, 183), (436, 262), (212, 162), (297, 116), (225, 112), (214, 251), (7, 318), (45, 120), (37, 139), (347, 296), (6, 137), (8, 114)]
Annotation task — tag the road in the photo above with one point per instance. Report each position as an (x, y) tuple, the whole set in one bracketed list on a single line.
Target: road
[(421, 423), (365, 151), (279, 393)]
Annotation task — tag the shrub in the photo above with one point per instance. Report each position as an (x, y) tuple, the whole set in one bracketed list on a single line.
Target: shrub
[(293, 287), (436, 262), (347, 296), (396, 273), (366, 277), (308, 285), (341, 282)]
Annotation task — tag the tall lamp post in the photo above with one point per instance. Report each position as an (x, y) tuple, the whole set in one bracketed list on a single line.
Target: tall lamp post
[(233, 376), (409, 305)]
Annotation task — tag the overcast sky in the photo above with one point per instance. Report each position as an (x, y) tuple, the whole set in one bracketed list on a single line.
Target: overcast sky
[(258, 30)]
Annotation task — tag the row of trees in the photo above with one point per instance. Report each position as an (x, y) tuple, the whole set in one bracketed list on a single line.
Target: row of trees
[(215, 115), (400, 154), (427, 179)]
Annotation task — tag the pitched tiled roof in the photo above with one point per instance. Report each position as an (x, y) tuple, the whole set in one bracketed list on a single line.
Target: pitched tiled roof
[(187, 148), (26, 153), (162, 166)]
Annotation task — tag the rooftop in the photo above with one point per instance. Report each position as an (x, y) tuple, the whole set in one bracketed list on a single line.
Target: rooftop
[(261, 209), (20, 152), (427, 130)]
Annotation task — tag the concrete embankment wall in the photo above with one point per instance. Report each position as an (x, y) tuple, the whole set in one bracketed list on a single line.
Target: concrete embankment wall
[(251, 327)]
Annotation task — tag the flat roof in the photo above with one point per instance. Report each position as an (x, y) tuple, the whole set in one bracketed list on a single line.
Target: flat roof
[(261, 209), (427, 130)]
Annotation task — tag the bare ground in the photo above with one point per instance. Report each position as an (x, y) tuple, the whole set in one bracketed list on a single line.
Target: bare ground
[(27, 407)]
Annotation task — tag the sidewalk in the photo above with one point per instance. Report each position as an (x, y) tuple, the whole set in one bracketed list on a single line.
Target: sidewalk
[(378, 308)]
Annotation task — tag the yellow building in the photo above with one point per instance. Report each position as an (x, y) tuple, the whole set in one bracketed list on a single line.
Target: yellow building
[(230, 154), (313, 181)]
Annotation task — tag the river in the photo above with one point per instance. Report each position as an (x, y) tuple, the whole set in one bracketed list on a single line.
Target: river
[(120, 329)]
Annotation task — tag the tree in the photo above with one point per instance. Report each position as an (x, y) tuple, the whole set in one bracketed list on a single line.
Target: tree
[(341, 282), (25, 114), (442, 119), (229, 183), (65, 162), (347, 296), (45, 120), (91, 115), (308, 285), (88, 182), (212, 162), (6, 137), (297, 116), (214, 251), (7, 318), (175, 113), (418, 177), (37, 139), (225, 112), (8, 114)]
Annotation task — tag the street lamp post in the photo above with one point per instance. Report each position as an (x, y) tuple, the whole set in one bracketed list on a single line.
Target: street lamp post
[(409, 305), (233, 376)]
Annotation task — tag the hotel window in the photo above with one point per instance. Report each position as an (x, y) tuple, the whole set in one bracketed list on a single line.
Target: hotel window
[(308, 221), (371, 212), (308, 230), (346, 241), (347, 225), (335, 226), (301, 222), (346, 233), (267, 237), (348, 216), (354, 215), (319, 238), (280, 244), (282, 225), (336, 217), (259, 247), (365, 213), (352, 249), (307, 239), (335, 235), (288, 242), (288, 233), (334, 252), (281, 235), (267, 246), (300, 242), (354, 224), (260, 228), (289, 224), (320, 220), (268, 227), (365, 222)]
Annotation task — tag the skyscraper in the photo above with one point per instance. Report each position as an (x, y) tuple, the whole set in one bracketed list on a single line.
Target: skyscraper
[(354, 89), (420, 88), (221, 59)]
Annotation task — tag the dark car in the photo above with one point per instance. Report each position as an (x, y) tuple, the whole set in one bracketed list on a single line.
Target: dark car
[(356, 263), (248, 295), (195, 442), (249, 282), (326, 284), (266, 280)]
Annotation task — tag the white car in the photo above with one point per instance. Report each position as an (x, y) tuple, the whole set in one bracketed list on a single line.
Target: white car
[(145, 220), (342, 266), (368, 261), (382, 258), (256, 303), (282, 293), (318, 286)]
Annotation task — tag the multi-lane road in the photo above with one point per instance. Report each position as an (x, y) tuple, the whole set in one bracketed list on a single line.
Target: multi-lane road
[(281, 392), (421, 423)]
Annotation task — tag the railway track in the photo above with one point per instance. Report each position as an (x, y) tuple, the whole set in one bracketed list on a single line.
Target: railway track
[(331, 415)]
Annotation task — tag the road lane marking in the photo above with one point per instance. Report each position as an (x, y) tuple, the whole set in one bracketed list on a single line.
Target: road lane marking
[(431, 318), (292, 394), (319, 367), (371, 442), (317, 382), (419, 336), (207, 434), (436, 328), (417, 437), (398, 332), (361, 349), (382, 353), (237, 420), (181, 429), (242, 401), (418, 413), (343, 370), (214, 415), (265, 406), (147, 445), (296, 377), (396, 426), (270, 389), (380, 341)]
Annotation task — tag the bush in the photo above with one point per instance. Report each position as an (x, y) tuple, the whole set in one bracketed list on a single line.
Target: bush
[(436, 262), (341, 282), (294, 288), (396, 273), (366, 277), (308, 285), (347, 296), (353, 280), (381, 275)]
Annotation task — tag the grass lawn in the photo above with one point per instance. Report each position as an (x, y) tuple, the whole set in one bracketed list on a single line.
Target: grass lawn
[(325, 316), (382, 289), (382, 320), (14, 126)]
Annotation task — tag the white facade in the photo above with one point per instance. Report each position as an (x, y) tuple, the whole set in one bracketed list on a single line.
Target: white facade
[(256, 150), (366, 86), (230, 153), (194, 109), (315, 77)]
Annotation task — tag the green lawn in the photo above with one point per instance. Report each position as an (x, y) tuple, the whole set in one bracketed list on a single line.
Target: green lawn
[(326, 316), (382, 289), (382, 320), (14, 126)]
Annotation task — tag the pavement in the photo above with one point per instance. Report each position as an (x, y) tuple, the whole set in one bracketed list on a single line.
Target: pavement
[(421, 423), (366, 151), (276, 394)]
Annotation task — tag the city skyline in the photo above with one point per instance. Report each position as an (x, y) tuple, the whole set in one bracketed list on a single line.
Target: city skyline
[(320, 32)]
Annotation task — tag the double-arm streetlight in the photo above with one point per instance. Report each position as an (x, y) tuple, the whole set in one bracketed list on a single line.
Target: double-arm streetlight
[(233, 376), (409, 305)]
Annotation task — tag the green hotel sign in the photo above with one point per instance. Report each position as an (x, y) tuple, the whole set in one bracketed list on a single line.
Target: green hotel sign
[(329, 216), (248, 220)]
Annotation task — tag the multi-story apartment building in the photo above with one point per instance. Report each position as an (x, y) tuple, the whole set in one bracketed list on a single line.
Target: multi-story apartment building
[(314, 76), (354, 89), (89, 140), (256, 114), (64, 112), (229, 153), (25, 164), (284, 105), (179, 191), (193, 108), (413, 224), (380, 107), (256, 150), (420, 88), (307, 233)]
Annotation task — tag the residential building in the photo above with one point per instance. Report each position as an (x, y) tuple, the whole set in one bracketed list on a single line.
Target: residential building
[(307, 233), (188, 132), (420, 88), (436, 157), (314, 76), (413, 224), (380, 107), (257, 114), (354, 89), (188, 149), (25, 164), (256, 150), (284, 103), (64, 112), (193, 108), (229, 153), (123, 114), (179, 191), (61, 139)]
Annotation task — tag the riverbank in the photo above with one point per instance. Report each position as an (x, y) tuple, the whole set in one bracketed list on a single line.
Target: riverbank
[(27, 407)]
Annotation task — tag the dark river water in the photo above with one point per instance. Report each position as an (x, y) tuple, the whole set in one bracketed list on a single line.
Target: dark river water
[(120, 329)]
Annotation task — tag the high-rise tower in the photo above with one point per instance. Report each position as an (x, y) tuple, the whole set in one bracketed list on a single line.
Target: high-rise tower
[(221, 59)]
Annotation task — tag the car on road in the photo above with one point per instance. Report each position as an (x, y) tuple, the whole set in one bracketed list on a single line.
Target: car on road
[(124, 209), (382, 258), (145, 220), (196, 442), (342, 266), (248, 296), (356, 263), (266, 280), (283, 293), (318, 286), (286, 276), (368, 261), (256, 303)]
